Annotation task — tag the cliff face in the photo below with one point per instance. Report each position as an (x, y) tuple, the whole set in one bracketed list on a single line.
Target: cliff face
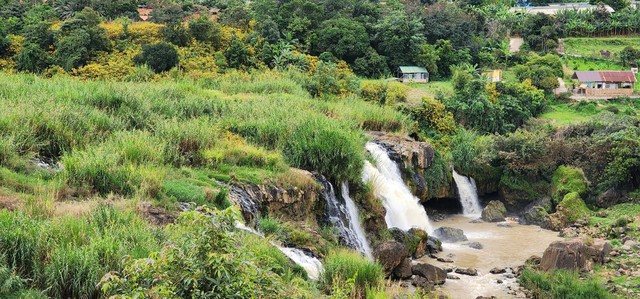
[(416, 161), (294, 203)]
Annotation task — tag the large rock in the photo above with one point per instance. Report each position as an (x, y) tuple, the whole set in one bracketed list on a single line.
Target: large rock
[(390, 254), (434, 245), (494, 211), (449, 234), (608, 198), (467, 271), (413, 158), (403, 271), (574, 255), (416, 241), (293, 201), (536, 213), (432, 273)]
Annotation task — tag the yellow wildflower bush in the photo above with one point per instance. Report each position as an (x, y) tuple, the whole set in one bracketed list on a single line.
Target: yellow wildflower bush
[(114, 66), (145, 32)]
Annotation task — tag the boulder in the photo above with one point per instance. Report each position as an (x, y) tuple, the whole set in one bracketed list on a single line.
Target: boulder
[(433, 245), (450, 234), (416, 241), (536, 213), (432, 273), (390, 254), (422, 283), (494, 212), (467, 271), (403, 271), (608, 198), (574, 255), (474, 245), (497, 270)]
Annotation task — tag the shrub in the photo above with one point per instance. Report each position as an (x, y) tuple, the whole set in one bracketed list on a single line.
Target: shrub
[(346, 264), (160, 57), (572, 208), (270, 226), (32, 59)]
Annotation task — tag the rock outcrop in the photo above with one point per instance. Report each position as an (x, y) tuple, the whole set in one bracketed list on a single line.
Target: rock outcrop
[(414, 158), (295, 203), (403, 271), (574, 255), (432, 273), (390, 255), (536, 213), (449, 234), (494, 212)]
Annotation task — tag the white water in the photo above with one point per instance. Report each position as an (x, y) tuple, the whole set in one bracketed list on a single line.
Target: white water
[(312, 265), (468, 194), (404, 210), (354, 223)]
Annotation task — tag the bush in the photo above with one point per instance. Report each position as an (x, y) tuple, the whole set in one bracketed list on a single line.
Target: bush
[(160, 57), (384, 93), (346, 264), (270, 226), (572, 208), (32, 59)]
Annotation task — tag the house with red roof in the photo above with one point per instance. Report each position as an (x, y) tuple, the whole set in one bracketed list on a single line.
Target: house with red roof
[(605, 83)]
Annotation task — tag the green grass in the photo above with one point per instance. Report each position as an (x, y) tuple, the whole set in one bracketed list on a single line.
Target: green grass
[(616, 212), (344, 265), (563, 114), (430, 89), (591, 46), (561, 284)]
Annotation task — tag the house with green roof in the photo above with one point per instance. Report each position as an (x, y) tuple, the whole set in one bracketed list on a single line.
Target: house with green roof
[(412, 74)]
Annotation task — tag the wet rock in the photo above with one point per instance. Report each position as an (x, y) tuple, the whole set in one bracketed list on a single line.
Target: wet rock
[(497, 270), (476, 221), (474, 245), (453, 277), (390, 254), (403, 271), (499, 281), (416, 241), (432, 273), (467, 271), (450, 234), (533, 260), (444, 260), (486, 297), (568, 232), (422, 283), (504, 225), (494, 212), (433, 245)]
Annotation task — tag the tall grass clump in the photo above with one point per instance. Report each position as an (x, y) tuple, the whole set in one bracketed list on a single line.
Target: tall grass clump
[(347, 264), (333, 150), (562, 284), (186, 140)]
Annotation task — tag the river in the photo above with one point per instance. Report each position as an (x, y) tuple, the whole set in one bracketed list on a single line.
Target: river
[(502, 247)]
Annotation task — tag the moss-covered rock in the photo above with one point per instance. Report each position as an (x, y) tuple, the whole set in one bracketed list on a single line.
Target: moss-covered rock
[(567, 179), (570, 209), (494, 212)]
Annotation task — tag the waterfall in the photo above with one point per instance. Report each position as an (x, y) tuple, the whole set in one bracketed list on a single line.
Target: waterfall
[(404, 210), (356, 227), (344, 218), (468, 194), (312, 265)]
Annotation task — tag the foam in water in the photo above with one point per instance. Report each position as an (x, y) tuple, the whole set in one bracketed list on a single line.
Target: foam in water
[(312, 265), (356, 227), (343, 215), (468, 194), (404, 210)]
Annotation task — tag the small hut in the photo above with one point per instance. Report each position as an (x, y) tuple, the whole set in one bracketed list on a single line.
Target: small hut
[(412, 74)]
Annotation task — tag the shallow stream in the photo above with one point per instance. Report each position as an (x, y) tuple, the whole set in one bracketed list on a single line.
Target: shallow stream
[(505, 244)]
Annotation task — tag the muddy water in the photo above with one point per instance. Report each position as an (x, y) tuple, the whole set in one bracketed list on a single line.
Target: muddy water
[(502, 247)]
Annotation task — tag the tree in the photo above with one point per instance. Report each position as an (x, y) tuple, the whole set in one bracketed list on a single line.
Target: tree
[(542, 71), (429, 59), (201, 29), (176, 34), (371, 65), (80, 39), (237, 53), (32, 59), (398, 37), (629, 55), (160, 57), (345, 38), (4, 41), (167, 14)]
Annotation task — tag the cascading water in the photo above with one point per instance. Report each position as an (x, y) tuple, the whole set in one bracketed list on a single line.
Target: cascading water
[(354, 222), (344, 218), (404, 210), (468, 194), (312, 265)]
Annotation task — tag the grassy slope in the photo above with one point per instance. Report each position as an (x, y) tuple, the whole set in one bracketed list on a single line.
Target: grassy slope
[(589, 46)]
